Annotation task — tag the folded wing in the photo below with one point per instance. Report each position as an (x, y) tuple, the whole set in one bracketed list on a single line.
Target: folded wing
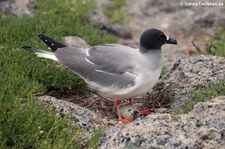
[(107, 65)]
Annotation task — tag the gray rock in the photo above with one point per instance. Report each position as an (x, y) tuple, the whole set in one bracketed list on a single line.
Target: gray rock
[(97, 16), (18, 7), (75, 41), (87, 119), (120, 31), (99, 19), (103, 4), (188, 74), (204, 127), (4, 6)]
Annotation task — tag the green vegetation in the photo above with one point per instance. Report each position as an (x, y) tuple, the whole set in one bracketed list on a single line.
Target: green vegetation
[(164, 71), (93, 142), (201, 95), (25, 123), (217, 45), (116, 15)]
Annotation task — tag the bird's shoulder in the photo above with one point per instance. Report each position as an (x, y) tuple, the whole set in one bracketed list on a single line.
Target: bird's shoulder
[(110, 48)]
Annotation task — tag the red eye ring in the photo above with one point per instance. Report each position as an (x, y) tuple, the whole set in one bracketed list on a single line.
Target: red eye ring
[(161, 36)]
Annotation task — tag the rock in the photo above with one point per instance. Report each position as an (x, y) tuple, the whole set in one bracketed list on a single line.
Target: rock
[(188, 74), (160, 110), (87, 119), (18, 7), (120, 31), (203, 127), (103, 4), (4, 6), (75, 41), (97, 18)]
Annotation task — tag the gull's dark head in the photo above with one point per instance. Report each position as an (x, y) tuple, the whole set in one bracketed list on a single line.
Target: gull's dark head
[(153, 39)]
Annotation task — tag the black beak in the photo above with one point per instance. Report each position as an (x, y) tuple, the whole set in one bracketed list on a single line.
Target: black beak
[(171, 41)]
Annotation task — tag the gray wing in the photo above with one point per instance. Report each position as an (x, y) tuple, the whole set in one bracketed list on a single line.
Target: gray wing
[(107, 65), (113, 58)]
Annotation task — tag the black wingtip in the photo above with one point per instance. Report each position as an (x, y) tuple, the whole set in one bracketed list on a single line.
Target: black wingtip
[(54, 45), (29, 48), (26, 47)]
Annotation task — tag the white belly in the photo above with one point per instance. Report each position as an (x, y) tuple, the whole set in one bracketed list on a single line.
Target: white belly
[(143, 84)]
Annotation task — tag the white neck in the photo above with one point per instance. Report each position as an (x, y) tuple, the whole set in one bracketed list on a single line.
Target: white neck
[(153, 59)]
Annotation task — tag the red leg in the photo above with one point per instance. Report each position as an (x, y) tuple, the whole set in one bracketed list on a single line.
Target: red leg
[(123, 120), (130, 102), (118, 108)]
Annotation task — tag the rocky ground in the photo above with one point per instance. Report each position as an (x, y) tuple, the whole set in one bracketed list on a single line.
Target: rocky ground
[(18, 7), (203, 127), (188, 74)]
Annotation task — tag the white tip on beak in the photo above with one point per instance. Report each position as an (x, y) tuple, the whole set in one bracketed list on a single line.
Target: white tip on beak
[(170, 40), (167, 38)]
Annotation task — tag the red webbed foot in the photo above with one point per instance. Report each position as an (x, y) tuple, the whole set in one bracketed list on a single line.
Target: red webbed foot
[(145, 112), (125, 120)]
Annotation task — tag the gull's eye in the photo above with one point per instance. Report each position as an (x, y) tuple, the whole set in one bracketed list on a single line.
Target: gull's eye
[(162, 36)]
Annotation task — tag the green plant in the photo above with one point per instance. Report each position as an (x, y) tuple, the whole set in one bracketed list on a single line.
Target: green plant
[(116, 15), (164, 71), (216, 46), (94, 140), (201, 95), (28, 124)]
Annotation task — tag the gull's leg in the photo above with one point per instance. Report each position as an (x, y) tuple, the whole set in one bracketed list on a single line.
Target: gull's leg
[(131, 102), (123, 120)]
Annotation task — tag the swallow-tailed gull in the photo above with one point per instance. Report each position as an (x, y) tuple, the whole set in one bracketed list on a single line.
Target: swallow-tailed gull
[(113, 70)]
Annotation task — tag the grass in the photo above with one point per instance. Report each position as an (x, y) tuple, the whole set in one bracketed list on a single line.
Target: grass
[(27, 124), (216, 46), (116, 15), (95, 137), (202, 95), (211, 91), (24, 122)]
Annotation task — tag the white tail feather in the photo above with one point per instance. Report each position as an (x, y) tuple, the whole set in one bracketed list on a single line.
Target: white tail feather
[(42, 53), (47, 55)]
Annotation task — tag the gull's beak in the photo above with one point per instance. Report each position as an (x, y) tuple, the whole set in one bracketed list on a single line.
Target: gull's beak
[(171, 41)]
